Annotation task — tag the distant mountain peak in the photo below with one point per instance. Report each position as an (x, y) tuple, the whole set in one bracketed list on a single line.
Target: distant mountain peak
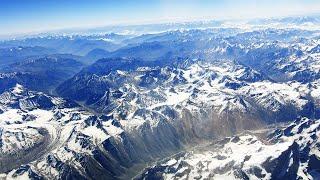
[(18, 89)]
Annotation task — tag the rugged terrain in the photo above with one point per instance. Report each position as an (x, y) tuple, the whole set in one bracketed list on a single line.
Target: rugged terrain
[(223, 102)]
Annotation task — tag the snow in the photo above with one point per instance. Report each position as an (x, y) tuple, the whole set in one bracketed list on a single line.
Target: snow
[(10, 116), (268, 94), (24, 176), (123, 73), (106, 39), (256, 151), (204, 86), (75, 146), (170, 162), (111, 129), (18, 89), (95, 133), (42, 115), (132, 123), (172, 99), (19, 139), (18, 135)]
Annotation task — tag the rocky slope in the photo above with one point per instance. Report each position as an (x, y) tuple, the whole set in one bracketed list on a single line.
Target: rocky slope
[(39, 73), (44, 136), (212, 94), (286, 153)]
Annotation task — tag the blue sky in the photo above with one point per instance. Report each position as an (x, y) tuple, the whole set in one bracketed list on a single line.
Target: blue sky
[(27, 16)]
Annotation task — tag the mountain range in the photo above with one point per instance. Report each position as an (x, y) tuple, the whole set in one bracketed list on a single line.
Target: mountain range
[(198, 101)]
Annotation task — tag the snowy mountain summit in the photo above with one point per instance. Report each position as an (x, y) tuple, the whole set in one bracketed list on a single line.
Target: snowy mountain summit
[(203, 100)]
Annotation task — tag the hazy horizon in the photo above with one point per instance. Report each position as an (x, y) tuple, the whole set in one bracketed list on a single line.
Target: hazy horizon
[(34, 16)]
